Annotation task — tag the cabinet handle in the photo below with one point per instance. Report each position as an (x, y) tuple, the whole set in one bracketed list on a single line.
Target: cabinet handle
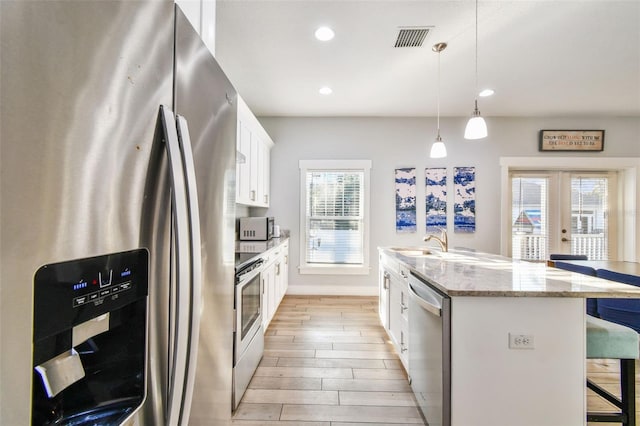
[(385, 281), (286, 260), (403, 347), (403, 308), (266, 199), (278, 269), (403, 274), (253, 195)]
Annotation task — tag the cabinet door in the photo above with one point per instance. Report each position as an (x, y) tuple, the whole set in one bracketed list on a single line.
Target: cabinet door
[(285, 268), (268, 281), (278, 284), (398, 317), (395, 316), (264, 166), (243, 168), (384, 279), (254, 174)]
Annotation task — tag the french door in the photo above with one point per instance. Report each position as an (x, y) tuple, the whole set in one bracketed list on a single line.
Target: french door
[(563, 212)]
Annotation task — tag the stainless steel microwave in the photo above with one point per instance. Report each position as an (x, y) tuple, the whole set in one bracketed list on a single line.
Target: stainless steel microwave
[(256, 228)]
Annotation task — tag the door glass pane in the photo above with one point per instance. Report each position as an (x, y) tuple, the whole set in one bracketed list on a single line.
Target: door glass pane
[(589, 212), (529, 213)]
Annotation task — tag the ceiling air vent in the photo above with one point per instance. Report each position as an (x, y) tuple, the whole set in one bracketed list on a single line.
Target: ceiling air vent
[(412, 36)]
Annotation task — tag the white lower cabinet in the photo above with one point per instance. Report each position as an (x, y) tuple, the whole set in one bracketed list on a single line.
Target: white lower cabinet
[(384, 282), (275, 281), (394, 305)]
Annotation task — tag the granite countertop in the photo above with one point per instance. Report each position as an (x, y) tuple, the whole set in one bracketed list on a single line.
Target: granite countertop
[(467, 273)]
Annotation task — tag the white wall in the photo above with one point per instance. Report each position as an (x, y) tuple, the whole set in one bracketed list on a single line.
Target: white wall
[(404, 142)]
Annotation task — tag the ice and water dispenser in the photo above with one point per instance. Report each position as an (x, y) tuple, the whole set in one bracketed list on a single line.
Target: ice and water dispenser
[(89, 339)]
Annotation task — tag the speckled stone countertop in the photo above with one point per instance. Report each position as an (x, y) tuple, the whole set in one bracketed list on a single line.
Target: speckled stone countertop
[(468, 273)]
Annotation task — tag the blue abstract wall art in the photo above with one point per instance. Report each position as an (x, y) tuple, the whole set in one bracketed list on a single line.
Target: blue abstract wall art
[(436, 198), (464, 207), (406, 200)]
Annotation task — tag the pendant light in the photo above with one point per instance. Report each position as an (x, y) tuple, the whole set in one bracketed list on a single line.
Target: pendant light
[(438, 150), (476, 127)]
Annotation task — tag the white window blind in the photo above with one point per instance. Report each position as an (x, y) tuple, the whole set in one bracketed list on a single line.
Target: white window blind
[(589, 212), (335, 217), (529, 218)]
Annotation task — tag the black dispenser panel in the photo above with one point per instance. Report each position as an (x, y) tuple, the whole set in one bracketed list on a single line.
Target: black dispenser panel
[(90, 320), (69, 293)]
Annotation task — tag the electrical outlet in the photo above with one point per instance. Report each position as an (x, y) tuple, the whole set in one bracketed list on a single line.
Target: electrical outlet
[(521, 341)]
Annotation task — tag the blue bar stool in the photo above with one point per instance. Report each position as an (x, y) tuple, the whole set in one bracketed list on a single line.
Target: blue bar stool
[(607, 340), (558, 256), (592, 304), (621, 311)]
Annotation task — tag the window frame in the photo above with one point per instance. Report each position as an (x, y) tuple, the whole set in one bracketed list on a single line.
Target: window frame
[(335, 165)]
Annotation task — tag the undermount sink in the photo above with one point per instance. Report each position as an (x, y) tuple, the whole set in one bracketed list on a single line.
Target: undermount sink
[(411, 252)]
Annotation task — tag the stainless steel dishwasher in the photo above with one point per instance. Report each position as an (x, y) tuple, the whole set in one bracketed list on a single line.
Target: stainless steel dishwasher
[(430, 351)]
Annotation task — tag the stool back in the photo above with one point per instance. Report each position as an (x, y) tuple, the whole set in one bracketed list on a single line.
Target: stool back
[(592, 304), (621, 311)]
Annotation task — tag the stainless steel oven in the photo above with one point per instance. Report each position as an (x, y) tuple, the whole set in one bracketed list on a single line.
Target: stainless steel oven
[(248, 341)]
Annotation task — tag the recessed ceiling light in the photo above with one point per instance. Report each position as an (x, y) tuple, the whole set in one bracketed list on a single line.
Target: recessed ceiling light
[(486, 92), (324, 34), (325, 90)]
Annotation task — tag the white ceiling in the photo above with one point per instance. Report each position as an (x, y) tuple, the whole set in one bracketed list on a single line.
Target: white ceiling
[(543, 58)]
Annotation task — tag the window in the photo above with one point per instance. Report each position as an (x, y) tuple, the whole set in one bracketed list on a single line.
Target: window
[(334, 216)]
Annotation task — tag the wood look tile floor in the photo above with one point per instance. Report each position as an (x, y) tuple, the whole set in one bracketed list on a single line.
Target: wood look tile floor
[(328, 362)]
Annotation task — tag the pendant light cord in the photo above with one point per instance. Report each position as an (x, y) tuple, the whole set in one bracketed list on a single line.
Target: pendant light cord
[(438, 94), (476, 94)]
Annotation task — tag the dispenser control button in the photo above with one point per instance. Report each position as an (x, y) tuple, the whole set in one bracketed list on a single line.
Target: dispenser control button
[(104, 293), (105, 278), (125, 286), (80, 301)]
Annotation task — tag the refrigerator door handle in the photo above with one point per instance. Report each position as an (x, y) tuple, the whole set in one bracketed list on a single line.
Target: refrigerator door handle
[(180, 213), (195, 286)]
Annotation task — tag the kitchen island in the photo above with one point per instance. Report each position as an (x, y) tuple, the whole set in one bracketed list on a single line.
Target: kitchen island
[(511, 349)]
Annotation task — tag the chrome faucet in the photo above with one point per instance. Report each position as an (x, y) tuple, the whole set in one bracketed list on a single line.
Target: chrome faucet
[(443, 241)]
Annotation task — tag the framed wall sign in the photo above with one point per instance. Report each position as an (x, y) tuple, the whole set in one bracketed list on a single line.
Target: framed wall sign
[(571, 140)]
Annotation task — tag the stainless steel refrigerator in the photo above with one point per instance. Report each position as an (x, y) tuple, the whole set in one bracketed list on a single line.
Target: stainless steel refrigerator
[(102, 105)]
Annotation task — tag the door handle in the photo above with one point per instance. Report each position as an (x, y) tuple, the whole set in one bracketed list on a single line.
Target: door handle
[(180, 220), (424, 304), (194, 286), (564, 240)]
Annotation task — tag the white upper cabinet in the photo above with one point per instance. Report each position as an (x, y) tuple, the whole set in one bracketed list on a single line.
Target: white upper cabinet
[(253, 159), (202, 16)]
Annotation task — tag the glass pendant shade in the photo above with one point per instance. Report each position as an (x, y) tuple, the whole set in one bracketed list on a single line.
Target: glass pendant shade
[(438, 150), (476, 128)]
